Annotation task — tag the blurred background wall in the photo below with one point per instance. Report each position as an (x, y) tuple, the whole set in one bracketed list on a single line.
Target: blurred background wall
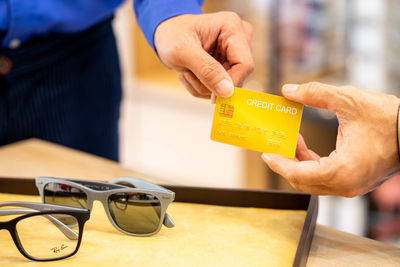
[(165, 132)]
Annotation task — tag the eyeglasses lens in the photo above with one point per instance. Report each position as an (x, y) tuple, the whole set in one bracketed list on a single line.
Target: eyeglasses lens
[(136, 213), (45, 237)]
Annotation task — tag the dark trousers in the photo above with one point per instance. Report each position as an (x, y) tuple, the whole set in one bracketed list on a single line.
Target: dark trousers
[(65, 89)]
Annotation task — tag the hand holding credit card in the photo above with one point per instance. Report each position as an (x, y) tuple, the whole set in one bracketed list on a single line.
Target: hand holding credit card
[(257, 121)]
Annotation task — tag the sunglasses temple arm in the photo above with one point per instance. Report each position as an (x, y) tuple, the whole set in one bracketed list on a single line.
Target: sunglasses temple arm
[(6, 212), (168, 221), (139, 183), (68, 232), (31, 205), (38, 206)]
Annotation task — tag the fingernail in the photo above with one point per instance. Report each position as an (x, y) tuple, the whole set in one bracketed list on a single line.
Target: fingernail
[(289, 89), (224, 88), (266, 157)]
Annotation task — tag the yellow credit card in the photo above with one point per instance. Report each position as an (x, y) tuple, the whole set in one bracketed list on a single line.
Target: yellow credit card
[(257, 121)]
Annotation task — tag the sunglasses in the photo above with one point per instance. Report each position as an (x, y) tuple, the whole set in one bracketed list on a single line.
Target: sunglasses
[(63, 228), (134, 206)]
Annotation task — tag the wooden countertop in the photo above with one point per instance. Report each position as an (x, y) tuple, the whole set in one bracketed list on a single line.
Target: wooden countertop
[(33, 157)]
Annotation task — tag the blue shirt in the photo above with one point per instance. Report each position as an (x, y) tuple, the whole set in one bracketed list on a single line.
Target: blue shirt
[(21, 20)]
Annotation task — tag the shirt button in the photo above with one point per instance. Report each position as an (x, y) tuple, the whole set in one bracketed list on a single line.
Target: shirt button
[(14, 43), (5, 65)]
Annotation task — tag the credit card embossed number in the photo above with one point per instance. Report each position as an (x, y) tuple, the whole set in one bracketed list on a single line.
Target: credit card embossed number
[(257, 121)]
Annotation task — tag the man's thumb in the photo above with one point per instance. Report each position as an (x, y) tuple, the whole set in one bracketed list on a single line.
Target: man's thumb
[(211, 73), (314, 94)]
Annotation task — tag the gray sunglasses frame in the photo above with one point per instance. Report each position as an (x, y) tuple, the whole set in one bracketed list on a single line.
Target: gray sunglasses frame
[(104, 190)]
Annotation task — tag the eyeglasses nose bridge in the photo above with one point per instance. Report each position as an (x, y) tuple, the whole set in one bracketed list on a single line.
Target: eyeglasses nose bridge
[(10, 228), (3, 226)]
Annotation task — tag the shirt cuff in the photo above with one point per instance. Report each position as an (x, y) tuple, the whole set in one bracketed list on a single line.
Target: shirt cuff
[(150, 13)]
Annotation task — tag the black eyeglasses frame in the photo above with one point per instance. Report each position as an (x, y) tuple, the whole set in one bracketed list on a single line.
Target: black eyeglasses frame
[(40, 209)]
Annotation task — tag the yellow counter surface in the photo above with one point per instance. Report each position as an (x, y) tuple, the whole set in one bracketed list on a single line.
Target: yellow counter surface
[(204, 235)]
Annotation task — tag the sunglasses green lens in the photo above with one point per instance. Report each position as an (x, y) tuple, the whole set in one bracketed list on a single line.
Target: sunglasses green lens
[(66, 195), (136, 213)]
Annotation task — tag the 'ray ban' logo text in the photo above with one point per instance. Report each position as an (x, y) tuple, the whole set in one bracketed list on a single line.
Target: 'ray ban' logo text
[(58, 250)]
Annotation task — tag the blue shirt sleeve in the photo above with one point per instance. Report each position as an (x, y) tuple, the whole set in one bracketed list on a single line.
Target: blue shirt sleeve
[(150, 13)]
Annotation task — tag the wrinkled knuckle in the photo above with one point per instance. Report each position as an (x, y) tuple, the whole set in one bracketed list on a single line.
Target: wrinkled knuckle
[(311, 89), (313, 85), (291, 177), (249, 67), (231, 21), (204, 92), (208, 70), (346, 91), (349, 95), (232, 15), (343, 90)]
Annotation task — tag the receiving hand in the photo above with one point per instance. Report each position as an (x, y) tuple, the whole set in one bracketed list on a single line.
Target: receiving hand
[(212, 51), (366, 151)]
